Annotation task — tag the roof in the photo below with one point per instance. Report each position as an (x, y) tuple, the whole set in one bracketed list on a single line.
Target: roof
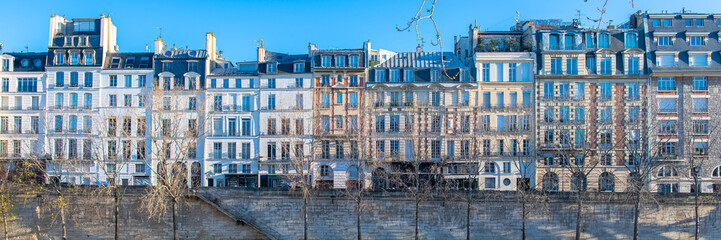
[(128, 61), (422, 60), (284, 58), (32, 61), (182, 53), (231, 72), (285, 62)]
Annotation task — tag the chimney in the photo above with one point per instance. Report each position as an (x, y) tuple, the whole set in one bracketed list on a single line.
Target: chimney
[(311, 48), (210, 46), (159, 46), (261, 53), (419, 49), (367, 45)]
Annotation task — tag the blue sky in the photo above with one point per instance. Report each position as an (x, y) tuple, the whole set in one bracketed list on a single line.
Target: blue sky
[(288, 26)]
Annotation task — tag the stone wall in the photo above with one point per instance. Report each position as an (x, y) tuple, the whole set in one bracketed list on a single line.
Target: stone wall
[(222, 213), (92, 218), (493, 216)]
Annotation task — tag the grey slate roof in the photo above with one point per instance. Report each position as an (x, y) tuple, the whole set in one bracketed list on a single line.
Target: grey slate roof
[(32, 58), (182, 53), (680, 45), (285, 62), (231, 72), (422, 60), (129, 61)]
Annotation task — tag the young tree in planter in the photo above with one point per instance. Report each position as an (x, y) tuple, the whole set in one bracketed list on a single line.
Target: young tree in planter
[(177, 121)]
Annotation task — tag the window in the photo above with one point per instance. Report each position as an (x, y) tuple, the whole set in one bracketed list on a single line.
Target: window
[(548, 91), (59, 79), (591, 64), (325, 61), (59, 58), (436, 149), (698, 59), (499, 100), (436, 99), (88, 56), (556, 66), (668, 127), (435, 75), (572, 66), (700, 126), (380, 123), (526, 99), (700, 105), (270, 151), (667, 171), (603, 40), (605, 115), (112, 100), (554, 42), (631, 40), (298, 67), (606, 66), (663, 41), (353, 60), (486, 72), (633, 67), (408, 75), (668, 149), (272, 68), (548, 115), (580, 137), (717, 170), (271, 82), (192, 66), (605, 91), (499, 72), (568, 42), (394, 75), (696, 41), (564, 114), (667, 60), (700, 148), (226, 83), (633, 91), (73, 79), (380, 75), (666, 84), (633, 114), (271, 102), (667, 22), (113, 81), (589, 40)]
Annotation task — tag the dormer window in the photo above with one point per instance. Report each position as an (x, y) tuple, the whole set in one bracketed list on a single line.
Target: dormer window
[(6, 65), (272, 68), (59, 58), (631, 40), (129, 62), (74, 58), (589, 40), (380, 75), (663, 41), (144, 62), (696, 41), (569, 42), (83, 41), (115, 62), (68, 41), (340, 61), (408, 75), (603, 41), (698, 59), (25, 63), (435, 75), (325, 61), (554, 42), (353, 61), (84, 26), (89, 58), (666, 59), (395, 75), (298, 67)]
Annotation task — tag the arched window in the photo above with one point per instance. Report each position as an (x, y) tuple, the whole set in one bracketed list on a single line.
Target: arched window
[(716, 172), (606, 182), (631, 40), (578, 182), (550, 182), (324, 171), (353, 173), (603, 40), (667, 171), (569, 42), (554, 42)]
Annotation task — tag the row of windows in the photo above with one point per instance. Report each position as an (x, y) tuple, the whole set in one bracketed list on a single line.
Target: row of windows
[(692, 40), (168, 66), (605, 67), (694, 60), (23, 85), (339, 61), (669, 84), (73, 101), (74, 58), (18, 125), (5, 103), (668, 22), (605, 91), (602, 40), (87, 80), (140, 81), (250, 83), (394, 75)]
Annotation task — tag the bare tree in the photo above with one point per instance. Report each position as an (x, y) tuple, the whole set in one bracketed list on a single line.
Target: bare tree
[(178, 120)]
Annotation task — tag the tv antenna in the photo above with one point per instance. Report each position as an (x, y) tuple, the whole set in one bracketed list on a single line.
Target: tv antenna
[(160, 35)]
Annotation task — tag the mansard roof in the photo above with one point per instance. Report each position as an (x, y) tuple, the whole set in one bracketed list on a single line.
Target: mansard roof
[(422, 60)]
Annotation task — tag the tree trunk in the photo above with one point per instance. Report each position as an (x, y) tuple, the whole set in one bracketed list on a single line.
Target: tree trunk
[(523, 216), (175, 222), (37, 217), (116, 213), (578, 216), (695, 211), (416, 222), (305, 216), (62, 219), (5, 220), (358, 220), (636, 211), (468, 218)]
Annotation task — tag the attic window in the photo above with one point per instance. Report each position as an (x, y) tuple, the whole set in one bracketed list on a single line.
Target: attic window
[(115, 63), (272, 67), (144, 62), (24, 62), (37, 62), (129, 62), (193, 53), (84, 26)]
